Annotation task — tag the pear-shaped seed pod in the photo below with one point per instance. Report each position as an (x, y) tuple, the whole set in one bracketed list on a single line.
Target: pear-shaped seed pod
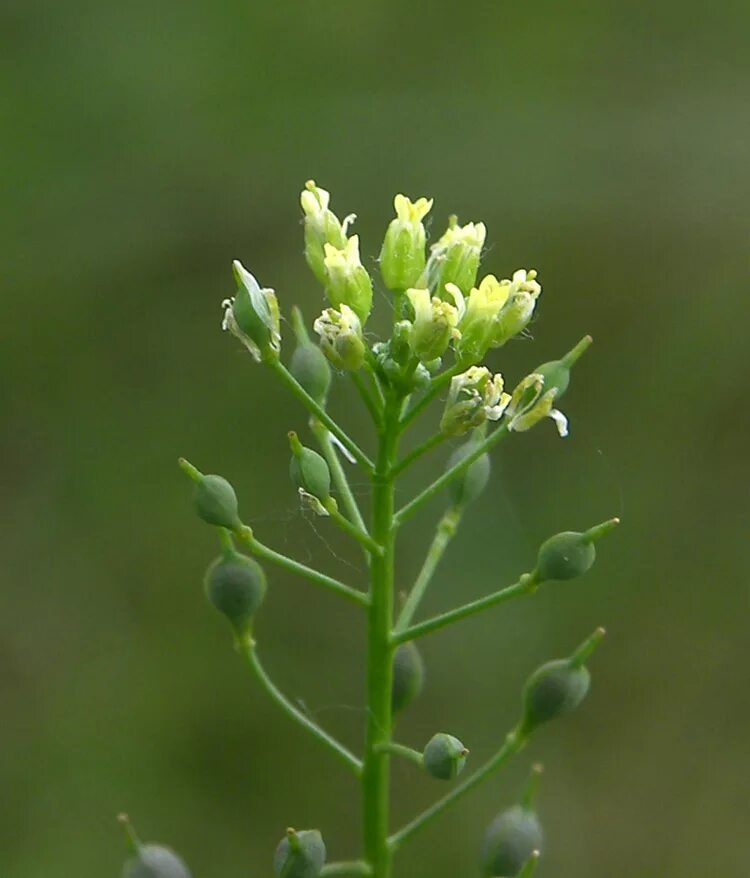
[(308, 470), (509, 841), (444, 757), (310, 367), (236, 586), (155, 861), (555, 689), (556, 373), (473, 480), (408, 676), (565, 556), (216, 502), (300, 854)]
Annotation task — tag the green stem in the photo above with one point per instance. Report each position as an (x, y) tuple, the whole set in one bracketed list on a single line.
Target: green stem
[(375, 383), (299, 391), (525, 585), (338, 474), (361, 536), (445, 532), (353, 867), (369, 402), (247, 648), (245, 536), (404, 752), (437, 385), (434, 440), (448, 476), (376, 769), (513, 743)]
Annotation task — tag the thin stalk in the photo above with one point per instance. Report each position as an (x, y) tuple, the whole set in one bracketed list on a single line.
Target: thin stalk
[(247, 648), (404, 752), (369, 402), (525, 585), (437, 385), (514, 742), (245, 536), (375, 383), (299, 391), (361, 536), (376, 768), (447, 477), (444, 533), (427, 446), (338, 474)]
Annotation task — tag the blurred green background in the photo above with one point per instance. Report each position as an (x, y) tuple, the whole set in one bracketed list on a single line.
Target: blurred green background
[(148, 144)]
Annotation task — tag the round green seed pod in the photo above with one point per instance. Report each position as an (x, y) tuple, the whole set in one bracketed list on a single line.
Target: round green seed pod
[(155, 861), (565, 556), (216, 502), (408, 676), (236, 586), (473, 480), (308, 470), (509, 841), (555, 689), (556, 374), (444, 756), (310, 367), (300, 854)]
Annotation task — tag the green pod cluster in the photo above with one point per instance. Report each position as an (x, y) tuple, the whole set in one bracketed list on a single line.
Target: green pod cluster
[(473, 480), (509, 842), (300, 854), (236, 585), (558, 687), (408, 676), (155, 861), (570, 554), (308, 470), (444, 757)]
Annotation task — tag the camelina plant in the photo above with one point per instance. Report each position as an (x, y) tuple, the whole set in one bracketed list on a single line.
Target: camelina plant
[(444, 321)]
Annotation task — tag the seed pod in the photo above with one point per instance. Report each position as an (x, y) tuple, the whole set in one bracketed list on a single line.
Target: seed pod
[(509, 842), (308, 470), (570, 554), (236, 586), (408, 676), (155, 861), (473, 480), (309, 364), (556, 373), (444, 756), (214, 498), (558, 687), (300, 854)]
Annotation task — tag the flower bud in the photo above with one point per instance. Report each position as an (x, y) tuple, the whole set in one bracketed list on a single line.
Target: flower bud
[(570, 554), (321, 227), (434, 325), (473, 480), (408, 676), (253, 315), (513, 837), (309, 365), (444, 756), (308, 470), (478, 314), (347, 280), (556, 373), (402, 259), (455, 257), (236, 585), (300, 854), (522, 293), (531, 403), (474, 397), (341, 338), (214, 498), (558, 687), (150, 860)]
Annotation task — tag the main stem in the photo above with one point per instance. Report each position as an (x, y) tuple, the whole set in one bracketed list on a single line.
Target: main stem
[(376, 763)]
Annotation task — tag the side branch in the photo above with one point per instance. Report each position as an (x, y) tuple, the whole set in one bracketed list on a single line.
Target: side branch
[(245, 536), (320, 413), (407, 511), (514, 742), (338, 474), (248, 651), (525, 585)]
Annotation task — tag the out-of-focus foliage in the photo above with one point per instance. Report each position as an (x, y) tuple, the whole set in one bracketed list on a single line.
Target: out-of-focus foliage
[(145, 146)]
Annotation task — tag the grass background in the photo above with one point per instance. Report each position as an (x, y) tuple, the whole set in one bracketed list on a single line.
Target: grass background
[(148, 144)]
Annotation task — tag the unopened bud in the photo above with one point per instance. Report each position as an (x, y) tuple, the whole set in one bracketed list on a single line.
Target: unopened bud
[(402, 259), (341, 338), (322, 227), (252, 315), (454, 258), (478, 313), (444, 757), (347, 280), (300, 854), (434, 325)]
